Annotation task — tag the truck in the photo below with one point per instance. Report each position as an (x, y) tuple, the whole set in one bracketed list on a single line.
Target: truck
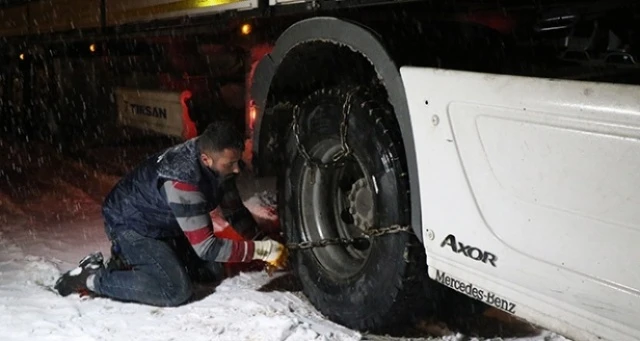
[(490, 148)]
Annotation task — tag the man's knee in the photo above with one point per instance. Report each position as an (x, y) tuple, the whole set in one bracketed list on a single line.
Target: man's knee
[(178, 292), (179, 297)]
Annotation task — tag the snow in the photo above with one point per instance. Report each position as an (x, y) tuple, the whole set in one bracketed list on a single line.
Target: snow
[(44, 233), (32, 257)]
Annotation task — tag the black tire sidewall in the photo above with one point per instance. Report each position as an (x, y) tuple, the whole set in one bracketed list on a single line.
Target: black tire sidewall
[(373, 291)]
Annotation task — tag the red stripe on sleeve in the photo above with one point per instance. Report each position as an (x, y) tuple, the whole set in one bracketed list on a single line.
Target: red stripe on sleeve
[(238, 253), (250, 247), (199, 235), (185, 186)]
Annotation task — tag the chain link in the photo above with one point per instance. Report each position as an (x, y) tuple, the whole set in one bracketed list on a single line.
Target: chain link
[(368, 235), (337, 161)]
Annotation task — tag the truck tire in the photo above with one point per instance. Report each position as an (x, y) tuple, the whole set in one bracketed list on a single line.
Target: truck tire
[(376, 285)]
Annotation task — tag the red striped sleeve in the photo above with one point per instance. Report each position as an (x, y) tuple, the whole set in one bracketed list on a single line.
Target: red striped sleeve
[(241, 251), (199, 235), (188, 205)]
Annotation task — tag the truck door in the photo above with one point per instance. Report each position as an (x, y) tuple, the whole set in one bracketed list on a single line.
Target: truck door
[(530, 186)]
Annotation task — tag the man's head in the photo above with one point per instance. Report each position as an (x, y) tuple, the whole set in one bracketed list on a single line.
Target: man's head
[(221, 146)]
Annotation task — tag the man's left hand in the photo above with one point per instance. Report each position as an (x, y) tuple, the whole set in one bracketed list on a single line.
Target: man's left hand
[(273, 253)]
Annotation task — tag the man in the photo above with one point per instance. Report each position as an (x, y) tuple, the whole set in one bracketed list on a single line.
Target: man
[(160, 206)]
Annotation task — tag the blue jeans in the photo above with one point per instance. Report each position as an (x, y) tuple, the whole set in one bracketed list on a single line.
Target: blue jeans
[(159, 272)]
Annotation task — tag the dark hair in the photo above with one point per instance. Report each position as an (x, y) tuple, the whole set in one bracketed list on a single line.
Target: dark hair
[(218, 136)]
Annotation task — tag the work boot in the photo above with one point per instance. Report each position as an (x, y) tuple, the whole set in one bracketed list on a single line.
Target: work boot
[(75, 280)]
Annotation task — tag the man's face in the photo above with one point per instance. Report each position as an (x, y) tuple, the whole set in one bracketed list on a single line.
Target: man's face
[(224, 163)]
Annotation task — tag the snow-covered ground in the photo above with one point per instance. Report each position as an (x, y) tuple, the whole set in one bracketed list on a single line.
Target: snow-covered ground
[(50, 218), (237, 310)]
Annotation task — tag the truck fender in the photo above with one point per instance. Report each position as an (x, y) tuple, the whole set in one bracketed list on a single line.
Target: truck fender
[(359, 39)]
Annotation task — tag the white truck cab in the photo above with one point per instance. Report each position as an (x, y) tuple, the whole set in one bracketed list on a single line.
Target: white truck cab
[(527, 189)]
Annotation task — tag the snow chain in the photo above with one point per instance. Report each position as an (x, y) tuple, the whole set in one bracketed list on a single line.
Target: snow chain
[(339, 158), (337, 161), (349, 241)]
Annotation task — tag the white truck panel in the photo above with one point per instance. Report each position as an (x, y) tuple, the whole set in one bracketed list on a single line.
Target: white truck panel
[(158, 111), (538, 177)]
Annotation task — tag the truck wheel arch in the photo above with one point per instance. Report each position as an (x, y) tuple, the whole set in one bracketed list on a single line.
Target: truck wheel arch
[(358, 39)]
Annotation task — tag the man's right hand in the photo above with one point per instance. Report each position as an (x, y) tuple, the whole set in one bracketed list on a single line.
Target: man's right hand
[(271, 252)]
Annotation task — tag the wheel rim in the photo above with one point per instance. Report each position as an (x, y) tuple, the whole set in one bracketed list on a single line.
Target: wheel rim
[(336, 202)]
